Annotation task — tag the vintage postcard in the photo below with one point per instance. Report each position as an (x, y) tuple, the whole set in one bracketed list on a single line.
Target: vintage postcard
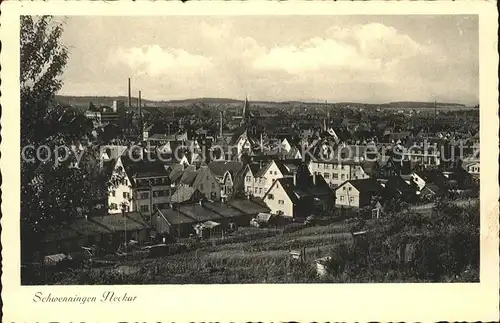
[(237, 161)]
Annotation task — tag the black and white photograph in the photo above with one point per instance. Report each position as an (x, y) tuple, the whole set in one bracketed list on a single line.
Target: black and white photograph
[(247, 161), (249, 149)]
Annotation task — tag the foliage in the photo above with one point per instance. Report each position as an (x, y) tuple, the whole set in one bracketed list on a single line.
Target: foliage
[(53, 190), (439, 248)]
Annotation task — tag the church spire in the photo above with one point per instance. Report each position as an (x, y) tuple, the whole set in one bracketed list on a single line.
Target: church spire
[(245, 118)]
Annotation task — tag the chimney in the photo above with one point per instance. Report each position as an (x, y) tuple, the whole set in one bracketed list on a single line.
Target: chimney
[(129, 94), (139, 105), (221, 123)]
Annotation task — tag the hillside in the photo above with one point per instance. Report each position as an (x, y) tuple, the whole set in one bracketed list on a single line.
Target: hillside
[(83, 101)]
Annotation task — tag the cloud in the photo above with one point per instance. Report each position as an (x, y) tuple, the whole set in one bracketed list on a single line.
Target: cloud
[(370, 47), (155, 60)]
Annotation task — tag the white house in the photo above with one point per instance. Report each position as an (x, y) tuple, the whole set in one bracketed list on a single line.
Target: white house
[(258, 183), (123, 192), (356, 193), (299, 195)]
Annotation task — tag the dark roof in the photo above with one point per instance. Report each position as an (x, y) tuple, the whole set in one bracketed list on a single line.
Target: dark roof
[(212, 211), (367, 185), (220, 167), (116, 222), (248, 206), (223, 209), (175, 216), (305, 187), (143, 168), (291, 166), (176, 172), (199, 213), (88, 228), (183, 194)]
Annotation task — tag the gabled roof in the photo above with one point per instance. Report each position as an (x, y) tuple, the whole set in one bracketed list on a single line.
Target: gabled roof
[(305, 187), (142, 168), (220, 167), (291, 166), (367, 185)]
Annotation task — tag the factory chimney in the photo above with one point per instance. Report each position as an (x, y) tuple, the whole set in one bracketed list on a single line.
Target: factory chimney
[(139, 107), (129, 95), (221, 114)]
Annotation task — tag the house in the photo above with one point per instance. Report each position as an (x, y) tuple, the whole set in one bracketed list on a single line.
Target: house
[(225, 172), (258, 182), (140, 185), (110, 152), (430, 190), (202, 179), (335, 172), (357, 193), (299, 195), (393, 167), (419, 178), (397, 186), (472, 167)]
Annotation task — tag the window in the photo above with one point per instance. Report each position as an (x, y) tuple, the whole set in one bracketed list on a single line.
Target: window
[(113, 193), (270, 197), (256, 190), (167, 192), (341, 198), (343, 188), (281, 202), (260, 190), (113, 206), (144, 195), (349, 189), (326, 175), (144, 208), (249, 178), (158, 193), (342, 167), (249, 188), (327, 166), (351, 199), (126, 195), (335, 176), (320, 165), (342, 176)]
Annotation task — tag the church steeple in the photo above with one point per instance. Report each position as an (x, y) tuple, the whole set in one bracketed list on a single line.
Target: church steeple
[(245, 118)]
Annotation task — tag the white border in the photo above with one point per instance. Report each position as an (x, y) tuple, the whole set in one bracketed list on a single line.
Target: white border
[(344, 302)]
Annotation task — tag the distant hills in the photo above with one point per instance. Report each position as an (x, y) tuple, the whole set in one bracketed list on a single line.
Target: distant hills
[(83, 101)]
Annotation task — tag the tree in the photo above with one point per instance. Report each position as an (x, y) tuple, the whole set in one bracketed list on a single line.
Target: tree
[(53, 188)]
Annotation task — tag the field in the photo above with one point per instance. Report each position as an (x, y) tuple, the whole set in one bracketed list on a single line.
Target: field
[(250, 255)]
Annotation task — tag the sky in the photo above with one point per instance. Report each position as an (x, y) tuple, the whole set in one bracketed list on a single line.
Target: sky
[(369, 59)]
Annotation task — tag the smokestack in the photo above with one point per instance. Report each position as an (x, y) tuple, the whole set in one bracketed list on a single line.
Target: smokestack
[(129, 94), (139, 106), (435, 111), (221, 121)]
